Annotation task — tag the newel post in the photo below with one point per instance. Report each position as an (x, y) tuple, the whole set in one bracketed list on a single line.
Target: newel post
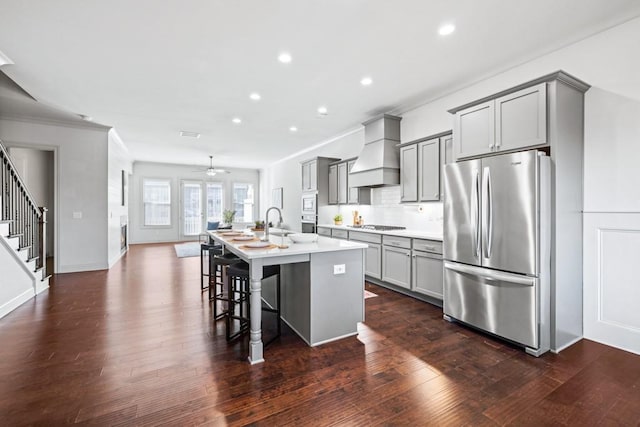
[(42, 237)]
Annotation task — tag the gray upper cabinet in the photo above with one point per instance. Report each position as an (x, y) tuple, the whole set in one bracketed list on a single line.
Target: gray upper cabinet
[(310, 176), (333, 184), (343, 190), (429, 170), (474, 130), (409, 173), (421, 164), (521, 118), (511, 122)]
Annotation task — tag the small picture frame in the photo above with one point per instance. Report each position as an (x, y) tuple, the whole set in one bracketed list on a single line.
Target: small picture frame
[(276, 197)]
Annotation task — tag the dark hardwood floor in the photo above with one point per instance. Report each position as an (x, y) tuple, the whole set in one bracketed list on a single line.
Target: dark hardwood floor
[(135, 345)]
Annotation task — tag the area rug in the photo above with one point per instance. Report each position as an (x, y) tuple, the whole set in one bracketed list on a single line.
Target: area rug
[(184, 250), (368, 294)]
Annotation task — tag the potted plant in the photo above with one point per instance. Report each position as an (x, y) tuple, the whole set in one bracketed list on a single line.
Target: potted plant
[(337, 219), (259, 225), (228, 215)]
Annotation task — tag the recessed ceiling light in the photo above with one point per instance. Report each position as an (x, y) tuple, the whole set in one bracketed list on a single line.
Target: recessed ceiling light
[(366, 81), (284, 57), (255, 96), (189, 134), (293, 129), (446, 29), (236, 120), (323, 111)]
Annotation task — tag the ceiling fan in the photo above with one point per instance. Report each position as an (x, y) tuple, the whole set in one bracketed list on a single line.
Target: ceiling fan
[(211, 171)]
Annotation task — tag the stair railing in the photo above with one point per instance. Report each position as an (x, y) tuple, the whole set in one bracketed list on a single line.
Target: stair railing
[(27, 221)]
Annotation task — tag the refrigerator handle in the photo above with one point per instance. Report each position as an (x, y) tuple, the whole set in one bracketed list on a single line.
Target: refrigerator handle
[(485, 212), (476, 213), (490, 213)]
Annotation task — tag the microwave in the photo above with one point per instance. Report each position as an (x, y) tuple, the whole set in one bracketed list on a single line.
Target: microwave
[(310, 204)]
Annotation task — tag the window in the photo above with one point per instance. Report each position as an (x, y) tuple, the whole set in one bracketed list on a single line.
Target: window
[(156, 196), (243, 202), (214, 201)]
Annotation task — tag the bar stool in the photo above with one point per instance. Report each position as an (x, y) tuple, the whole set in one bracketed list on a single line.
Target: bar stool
[(208, 248), (217, 264), (239, 297)]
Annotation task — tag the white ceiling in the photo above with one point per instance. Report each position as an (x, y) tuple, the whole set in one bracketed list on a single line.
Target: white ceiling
[(151, 68)]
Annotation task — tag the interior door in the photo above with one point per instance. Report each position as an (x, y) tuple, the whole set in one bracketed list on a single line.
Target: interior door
[(509, 212), (462, 212), (191, 208)]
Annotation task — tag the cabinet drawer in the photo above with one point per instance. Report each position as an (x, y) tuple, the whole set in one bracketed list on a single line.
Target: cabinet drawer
[(339, 234), (322, 231), (427, 246), (398, 242), (365, 237)]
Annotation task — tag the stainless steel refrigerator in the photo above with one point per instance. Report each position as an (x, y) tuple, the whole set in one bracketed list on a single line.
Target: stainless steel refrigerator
[(496, 246)]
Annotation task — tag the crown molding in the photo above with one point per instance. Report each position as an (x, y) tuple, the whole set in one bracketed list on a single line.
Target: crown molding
[(52, 122)]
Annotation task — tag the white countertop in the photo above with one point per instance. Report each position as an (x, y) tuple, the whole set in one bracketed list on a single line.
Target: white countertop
[(324, 244), (415, 234)]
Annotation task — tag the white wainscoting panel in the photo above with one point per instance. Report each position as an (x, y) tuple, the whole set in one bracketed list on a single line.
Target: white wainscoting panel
[(612, 279)]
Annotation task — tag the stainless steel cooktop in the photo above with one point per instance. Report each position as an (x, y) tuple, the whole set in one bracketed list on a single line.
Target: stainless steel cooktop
[(378, 227)]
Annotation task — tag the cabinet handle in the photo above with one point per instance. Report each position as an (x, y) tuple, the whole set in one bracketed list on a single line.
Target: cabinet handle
[(436, 195), (430, 248), (408, 254)]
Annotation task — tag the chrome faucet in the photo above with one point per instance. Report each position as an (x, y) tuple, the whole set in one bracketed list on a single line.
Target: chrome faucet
[(266, 222)]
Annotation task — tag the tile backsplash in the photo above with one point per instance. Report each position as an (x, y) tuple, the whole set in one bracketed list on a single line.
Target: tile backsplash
[(385, 209)]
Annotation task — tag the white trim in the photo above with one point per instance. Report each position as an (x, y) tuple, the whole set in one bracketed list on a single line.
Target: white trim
[(296, 331), (82, 267), (566, 345), (16, 302), (335, 339), (41, 286), (52, 122)]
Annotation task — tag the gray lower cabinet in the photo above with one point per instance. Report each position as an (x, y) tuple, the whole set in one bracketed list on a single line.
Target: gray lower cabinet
[(396, 266), (427, 274), (339, 234), (324, 231), (373, 266)]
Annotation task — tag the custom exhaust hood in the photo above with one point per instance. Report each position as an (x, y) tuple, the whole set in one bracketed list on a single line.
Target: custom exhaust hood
[(379, 162)]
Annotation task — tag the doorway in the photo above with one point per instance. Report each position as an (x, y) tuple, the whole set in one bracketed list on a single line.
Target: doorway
[(202, 202), (36, 167)]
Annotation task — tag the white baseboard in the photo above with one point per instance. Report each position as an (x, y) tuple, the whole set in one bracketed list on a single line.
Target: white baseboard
[(16, 302), (82, 267), (567, 345), (41, 286)]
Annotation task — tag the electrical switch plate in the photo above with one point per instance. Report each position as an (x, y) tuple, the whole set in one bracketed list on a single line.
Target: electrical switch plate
[(339, 269), (77, 215)]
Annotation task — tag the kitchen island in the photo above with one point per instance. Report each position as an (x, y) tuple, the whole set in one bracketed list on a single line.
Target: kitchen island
[(322, 287)]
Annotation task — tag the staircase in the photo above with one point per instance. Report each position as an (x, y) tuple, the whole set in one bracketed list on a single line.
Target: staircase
[(22, 240)]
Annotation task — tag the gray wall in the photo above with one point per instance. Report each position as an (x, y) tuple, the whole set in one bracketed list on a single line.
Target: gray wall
[(81, 186)]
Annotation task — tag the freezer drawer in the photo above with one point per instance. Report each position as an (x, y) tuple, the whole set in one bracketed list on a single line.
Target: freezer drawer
[(501, 303)]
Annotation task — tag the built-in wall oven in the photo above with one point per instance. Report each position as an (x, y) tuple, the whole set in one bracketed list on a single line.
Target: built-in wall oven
[(309, 212)]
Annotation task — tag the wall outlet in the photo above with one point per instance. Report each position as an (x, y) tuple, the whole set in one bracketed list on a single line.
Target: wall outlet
[(77, 215), (339, 269)]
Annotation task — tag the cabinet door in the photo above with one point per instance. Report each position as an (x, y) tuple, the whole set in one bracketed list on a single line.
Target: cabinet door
[(342, 183), (313, 175), (324, 231), (446, 156), (306, 177), (429, 170), (333, 184), (396, 266), (409, 173), (352, 197), (372, 261), (427, 274), (474, 130), (521, 118)]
